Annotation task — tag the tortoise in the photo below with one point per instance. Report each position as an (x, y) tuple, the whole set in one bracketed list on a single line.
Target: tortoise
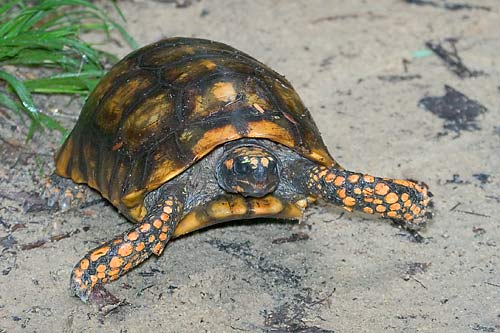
[(186, 133)]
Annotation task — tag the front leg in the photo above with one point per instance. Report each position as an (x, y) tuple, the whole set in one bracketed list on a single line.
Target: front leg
[(406, 201), (116, 257)]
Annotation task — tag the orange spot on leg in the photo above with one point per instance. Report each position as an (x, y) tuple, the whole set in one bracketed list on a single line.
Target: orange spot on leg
[(84, 264), (391, 198), (125, 249), (96, 254), (116, 262), (381, 189), (368, 210)]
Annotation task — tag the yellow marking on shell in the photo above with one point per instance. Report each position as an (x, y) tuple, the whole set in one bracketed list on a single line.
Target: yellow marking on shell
[(258, 108), (320, 156), (214, 137), (380, 208), (224, 91), (302, 203), (116, 262), (381, 189), (99, 253), (100, 268), (341, 193), (109, 114), (268, 205), (377, 201), (151, 238), (222, 209), (264, 161), (127, 267), (186, 136), (165, 170), (270, 130), (404, 197), (357, 190), (199, 106), (368, 200), (189, 223), (407, 203), (125, 249), (162, 236), (208, 64), (101, 275), (132, 198), (391, 198)]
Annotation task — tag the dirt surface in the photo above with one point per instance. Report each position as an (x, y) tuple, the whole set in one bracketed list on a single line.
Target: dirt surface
[(398, 88)]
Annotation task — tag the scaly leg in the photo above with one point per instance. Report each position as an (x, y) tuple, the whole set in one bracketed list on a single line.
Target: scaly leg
[(64, 193), (114, 258), (403, 200)]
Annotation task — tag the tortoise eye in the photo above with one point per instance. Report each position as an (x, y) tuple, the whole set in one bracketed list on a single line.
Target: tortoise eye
[(241, 168)]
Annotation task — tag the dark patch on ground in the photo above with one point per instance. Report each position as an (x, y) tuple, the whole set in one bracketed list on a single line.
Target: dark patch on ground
[(482, 177), (289, 315), (417, 268), (455, 179), (244, 252), (299, 236), (179, 3), (448, 53), (482, 328), (478, 231), (458, 111), (398, 78), (446, 5)]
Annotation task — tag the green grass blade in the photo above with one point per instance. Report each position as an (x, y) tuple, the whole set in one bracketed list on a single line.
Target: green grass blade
[(22, 92)]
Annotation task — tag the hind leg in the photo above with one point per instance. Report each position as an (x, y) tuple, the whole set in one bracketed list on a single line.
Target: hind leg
[(64, 194)]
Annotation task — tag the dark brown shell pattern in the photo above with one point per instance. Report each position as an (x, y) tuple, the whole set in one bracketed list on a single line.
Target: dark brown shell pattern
[(166, 105)]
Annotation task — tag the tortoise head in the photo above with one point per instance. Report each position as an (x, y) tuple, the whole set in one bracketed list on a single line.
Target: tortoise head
[(250, 170)]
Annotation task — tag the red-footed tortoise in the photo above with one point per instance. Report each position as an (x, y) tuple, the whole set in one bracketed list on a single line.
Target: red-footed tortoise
[(185, 133)]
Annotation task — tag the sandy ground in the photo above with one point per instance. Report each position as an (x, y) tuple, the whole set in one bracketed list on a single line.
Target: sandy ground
[(385, 103)]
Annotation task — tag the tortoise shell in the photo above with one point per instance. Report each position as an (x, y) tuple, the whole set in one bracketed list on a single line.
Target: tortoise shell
[(166, 105)]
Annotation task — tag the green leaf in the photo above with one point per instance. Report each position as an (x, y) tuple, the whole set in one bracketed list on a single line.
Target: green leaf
[(21, 91)]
